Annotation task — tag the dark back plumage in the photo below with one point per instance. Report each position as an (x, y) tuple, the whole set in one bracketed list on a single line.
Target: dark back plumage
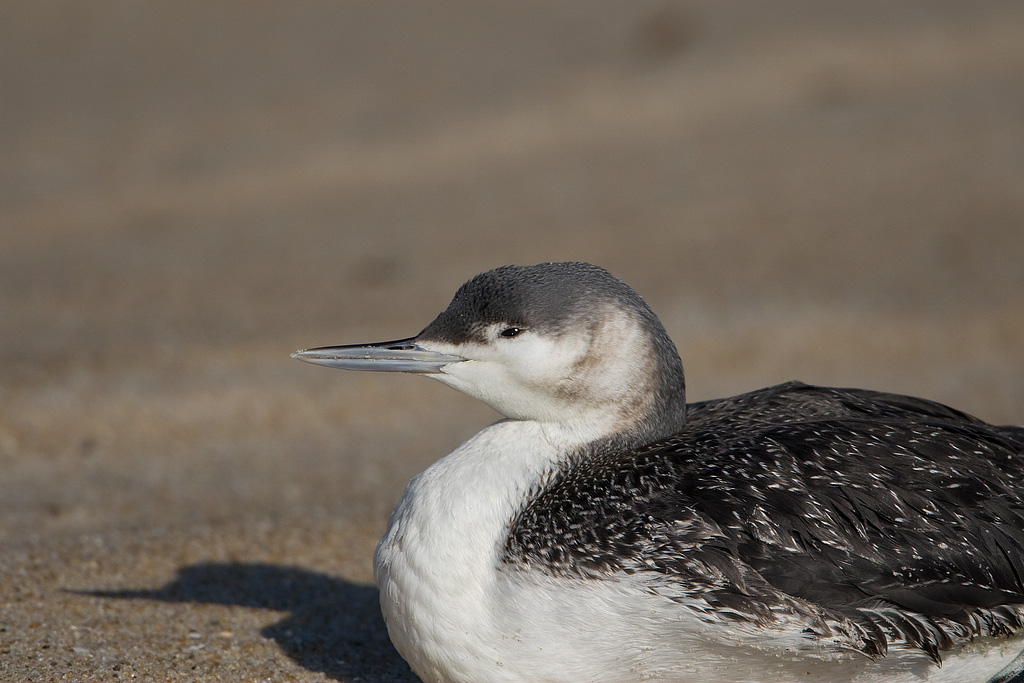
[(899, 517)]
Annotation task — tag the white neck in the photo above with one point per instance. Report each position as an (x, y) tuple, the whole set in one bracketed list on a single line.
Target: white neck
[(443, 544)]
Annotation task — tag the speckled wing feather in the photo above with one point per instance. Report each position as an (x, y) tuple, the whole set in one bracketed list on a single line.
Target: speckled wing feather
[(899, 517)]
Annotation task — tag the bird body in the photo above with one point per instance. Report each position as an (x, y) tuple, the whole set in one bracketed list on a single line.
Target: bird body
[(608, 531)]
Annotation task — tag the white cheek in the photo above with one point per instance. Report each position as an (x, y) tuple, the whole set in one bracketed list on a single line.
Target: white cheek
[(541, 361), (515, 377), (582, 385)]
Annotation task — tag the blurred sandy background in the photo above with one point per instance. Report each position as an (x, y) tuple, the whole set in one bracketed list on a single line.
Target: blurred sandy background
[(825, 191)]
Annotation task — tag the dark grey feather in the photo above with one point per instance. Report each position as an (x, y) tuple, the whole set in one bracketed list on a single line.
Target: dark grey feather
[(899, 515)]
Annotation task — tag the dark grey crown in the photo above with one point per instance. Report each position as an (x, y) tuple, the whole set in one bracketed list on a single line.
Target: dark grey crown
[(546, 298)]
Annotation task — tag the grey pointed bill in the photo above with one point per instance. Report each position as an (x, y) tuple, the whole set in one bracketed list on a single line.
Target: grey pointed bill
[(402, 355)]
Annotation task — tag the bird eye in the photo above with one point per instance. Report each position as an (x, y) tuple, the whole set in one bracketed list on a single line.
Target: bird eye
[(511, 331)]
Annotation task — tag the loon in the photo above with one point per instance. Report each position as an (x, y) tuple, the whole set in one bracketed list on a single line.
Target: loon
[(606, 531)]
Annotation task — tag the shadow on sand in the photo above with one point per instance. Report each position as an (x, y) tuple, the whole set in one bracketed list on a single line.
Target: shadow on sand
[(333, 627)]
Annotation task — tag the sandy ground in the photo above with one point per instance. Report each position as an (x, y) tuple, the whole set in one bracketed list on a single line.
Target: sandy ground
[(828, 191)]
